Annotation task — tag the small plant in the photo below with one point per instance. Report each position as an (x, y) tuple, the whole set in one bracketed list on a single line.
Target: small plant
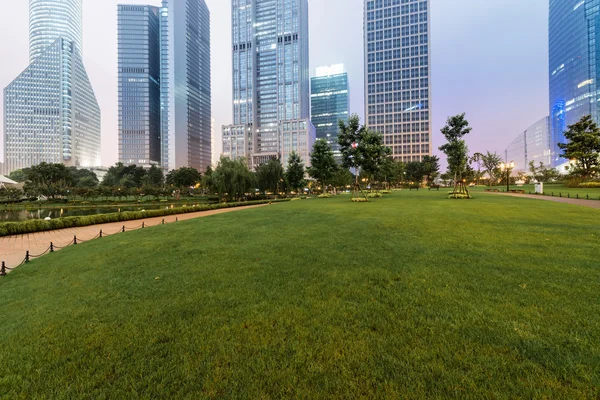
[(359, 200), (459, 196), (385, 192), (324, 196), (589, 185), (374, 195)]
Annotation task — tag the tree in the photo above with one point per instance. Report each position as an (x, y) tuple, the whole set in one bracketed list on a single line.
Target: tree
[(456, 149), (207, 179), (542, 173), (374, 154), (50, 180), (294, 174), (431, 168), (184, 177), (583, 147), (155, 177), (269, 176), (323, 164), (232, 178), (20, 175), (342, 178), (491, 162), (415, 172)]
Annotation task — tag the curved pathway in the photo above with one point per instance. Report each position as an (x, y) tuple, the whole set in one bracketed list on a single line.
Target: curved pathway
[(14, 248), (577, 202)]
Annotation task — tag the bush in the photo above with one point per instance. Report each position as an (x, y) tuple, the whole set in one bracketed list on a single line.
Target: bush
[(39, 225), (374, 195), (459, 196), (359, 200), (385, 192), (324, 196), (589, 185)]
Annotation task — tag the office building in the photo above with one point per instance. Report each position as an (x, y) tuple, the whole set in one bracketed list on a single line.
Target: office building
[(185, 84), (397, 73), (50, 110), (330, 103), (139, 84), (270, 82), (534, 144), (574, 71)]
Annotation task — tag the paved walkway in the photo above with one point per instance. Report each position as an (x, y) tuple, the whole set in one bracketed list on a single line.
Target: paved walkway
[(577, 202), (14, 248)]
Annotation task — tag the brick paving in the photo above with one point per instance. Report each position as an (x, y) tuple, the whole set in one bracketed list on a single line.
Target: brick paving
[(577, 202), (14, 248)]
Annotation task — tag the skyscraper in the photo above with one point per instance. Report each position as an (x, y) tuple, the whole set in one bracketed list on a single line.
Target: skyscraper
[(50, 110), (139, 84), (574, 33), (531, 145), (329, 103), (185, 84), (397, 71), (270, 81)]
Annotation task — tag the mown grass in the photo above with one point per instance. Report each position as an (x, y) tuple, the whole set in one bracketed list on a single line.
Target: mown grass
[(409, 296), (549, 190)]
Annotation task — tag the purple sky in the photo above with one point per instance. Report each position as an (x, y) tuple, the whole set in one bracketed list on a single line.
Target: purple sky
[(489, 59)]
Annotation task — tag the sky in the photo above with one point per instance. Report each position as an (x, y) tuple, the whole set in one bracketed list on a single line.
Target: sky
[(489, 59)]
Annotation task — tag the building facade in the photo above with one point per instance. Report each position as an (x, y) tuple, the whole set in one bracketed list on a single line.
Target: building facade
[(185, 84), (397, 75), (574, 31), (271, 103), (330, 103), (139, 84), (50, 110), (534, 144)]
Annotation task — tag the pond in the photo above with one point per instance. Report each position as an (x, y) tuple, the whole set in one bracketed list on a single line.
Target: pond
[(7, 215)]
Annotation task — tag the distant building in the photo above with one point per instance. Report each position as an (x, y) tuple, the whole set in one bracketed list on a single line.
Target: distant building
[(217, 143), (50, 110), (271, 104), (574, 70), (139, 84), (534, 144), (397, 73), (330, 102), (185, 84)]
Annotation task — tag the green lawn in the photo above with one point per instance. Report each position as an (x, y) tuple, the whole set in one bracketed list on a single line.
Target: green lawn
[(409, 296), (550, 189)]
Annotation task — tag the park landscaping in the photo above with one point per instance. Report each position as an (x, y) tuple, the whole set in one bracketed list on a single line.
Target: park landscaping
[(410, 295)]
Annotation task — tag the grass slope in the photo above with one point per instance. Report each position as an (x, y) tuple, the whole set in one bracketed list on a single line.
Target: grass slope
[(410, 296)]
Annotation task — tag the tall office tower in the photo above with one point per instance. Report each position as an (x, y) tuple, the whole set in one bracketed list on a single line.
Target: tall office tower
[(185, 84), (50, 110), (574, 71), (329, 103), (531, 145), (270, 81), (139, 84), (397, 71)]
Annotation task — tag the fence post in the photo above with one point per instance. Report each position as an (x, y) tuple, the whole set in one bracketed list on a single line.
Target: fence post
[(587, 196), (163, 221), (143, 224), (123, 230), (100, 232), (27, 256), (176, 219), (51, 247), (3, 269), (577, 195), (75, 239)]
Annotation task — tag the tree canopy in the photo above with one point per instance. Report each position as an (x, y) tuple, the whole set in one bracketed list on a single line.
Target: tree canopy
[(323, 164), (583, 147), (294, 174)]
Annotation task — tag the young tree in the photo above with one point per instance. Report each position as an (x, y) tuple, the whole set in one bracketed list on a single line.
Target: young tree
[(207, 179), (323, 164), (155, 177), (583, 146), (342, 178), (269, 176), (232, 178), (415, 172), (456, 149), (294, 174), (349, 137), (184, 177), (491, 162), (374, 153)]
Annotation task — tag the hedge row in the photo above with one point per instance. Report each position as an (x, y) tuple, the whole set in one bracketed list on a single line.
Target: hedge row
[(39, 225)]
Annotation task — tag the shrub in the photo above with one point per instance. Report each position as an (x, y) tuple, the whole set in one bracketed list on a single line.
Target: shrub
[(359, 200), (374, 195), (39, 225), (589, 185), (459, 196), (385, 192), (324, 196)]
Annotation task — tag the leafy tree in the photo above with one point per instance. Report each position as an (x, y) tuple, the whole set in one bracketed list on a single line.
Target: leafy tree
[(155, 177), (374, 154), (207, 179), (431, 168), (415, 171), (294, 174), (50, 180), (456, 149), (269, 176), (342, 178), (542, 173), (491, 162), (20, 175), (232, 178), (323, 164), (583, 147), (184, 177)]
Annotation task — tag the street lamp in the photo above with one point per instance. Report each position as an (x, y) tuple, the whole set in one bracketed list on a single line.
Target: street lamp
[(507, 167)]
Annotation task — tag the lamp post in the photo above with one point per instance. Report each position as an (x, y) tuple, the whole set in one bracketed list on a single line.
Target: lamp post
[(507, 167)]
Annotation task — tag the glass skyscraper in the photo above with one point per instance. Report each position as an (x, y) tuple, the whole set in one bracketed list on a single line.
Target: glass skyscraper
[(185, 84), (139, 85), (397, 71), (531, 145), (50, 109), (574, 35), (270, 81), (329, 103)]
